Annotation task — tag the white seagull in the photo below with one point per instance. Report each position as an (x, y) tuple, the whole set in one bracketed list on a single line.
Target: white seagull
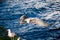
[(37, 21), (11, 34)]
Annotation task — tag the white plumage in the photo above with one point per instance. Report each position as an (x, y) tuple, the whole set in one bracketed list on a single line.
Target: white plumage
[(36, 21), (11, 34)]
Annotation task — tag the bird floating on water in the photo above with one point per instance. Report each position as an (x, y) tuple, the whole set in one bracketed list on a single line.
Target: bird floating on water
[(24, 19)]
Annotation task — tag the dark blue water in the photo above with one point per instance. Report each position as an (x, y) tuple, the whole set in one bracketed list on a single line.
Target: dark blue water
[(49, 11)]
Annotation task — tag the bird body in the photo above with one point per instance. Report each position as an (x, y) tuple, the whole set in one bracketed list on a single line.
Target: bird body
[(28, 20), (11, 34), (37, 21)]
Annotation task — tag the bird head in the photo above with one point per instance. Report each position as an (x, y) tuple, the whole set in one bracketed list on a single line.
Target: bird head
[(8, 30), (22, 19)]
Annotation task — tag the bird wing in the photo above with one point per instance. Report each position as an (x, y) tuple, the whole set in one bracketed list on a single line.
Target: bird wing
[(39, 22)]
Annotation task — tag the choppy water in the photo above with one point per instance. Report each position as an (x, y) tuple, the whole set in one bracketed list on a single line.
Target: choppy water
[(49, 11)]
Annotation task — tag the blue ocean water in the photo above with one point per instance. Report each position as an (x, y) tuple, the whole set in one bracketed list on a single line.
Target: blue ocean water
[(47, 10)]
